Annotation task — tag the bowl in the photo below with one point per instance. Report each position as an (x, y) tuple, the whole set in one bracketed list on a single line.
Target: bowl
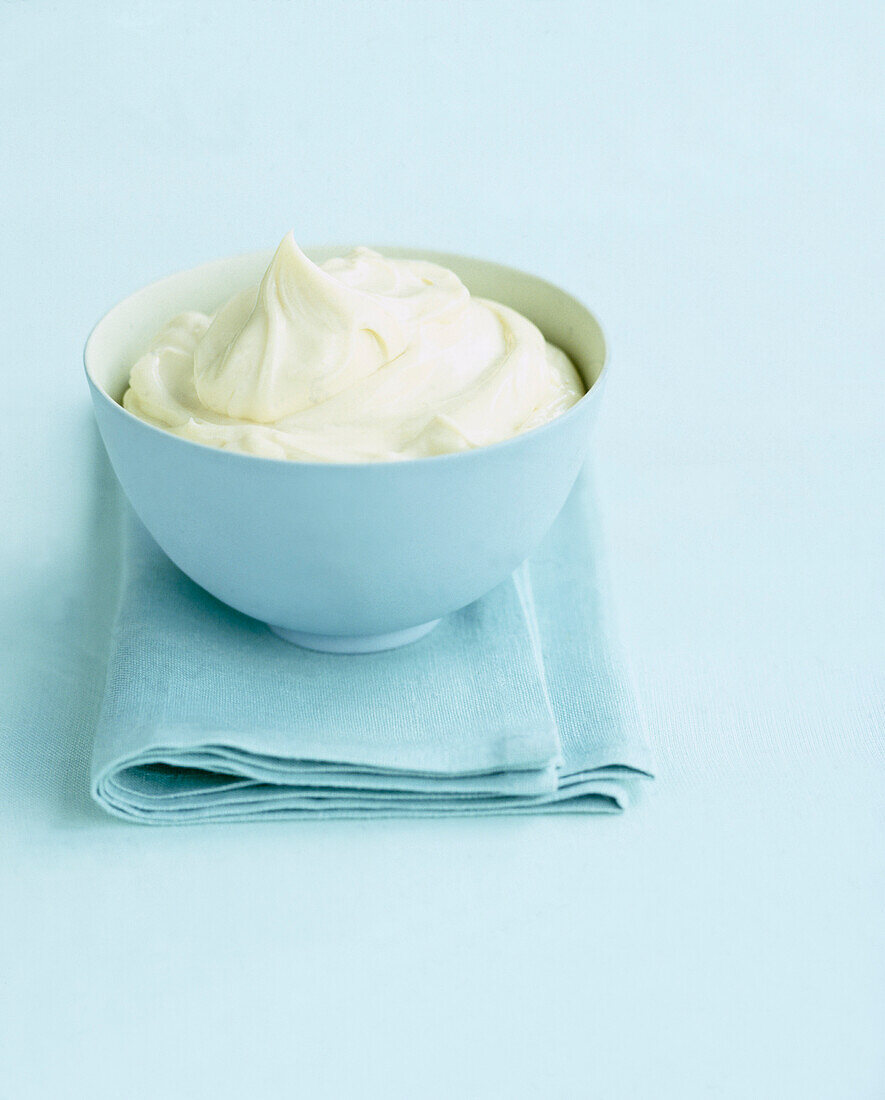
[(344, 557)]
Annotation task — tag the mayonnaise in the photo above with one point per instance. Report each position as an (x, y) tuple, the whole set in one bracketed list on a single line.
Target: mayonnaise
[(363, 359)]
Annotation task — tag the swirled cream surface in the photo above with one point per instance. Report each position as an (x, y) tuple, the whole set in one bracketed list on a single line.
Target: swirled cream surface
[(362, 359)]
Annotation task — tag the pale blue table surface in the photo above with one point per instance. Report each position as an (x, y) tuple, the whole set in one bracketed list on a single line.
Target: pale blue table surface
[(705, 176)]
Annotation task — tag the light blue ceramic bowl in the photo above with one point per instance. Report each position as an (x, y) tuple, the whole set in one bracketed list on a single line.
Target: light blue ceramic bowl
[(347, 558)]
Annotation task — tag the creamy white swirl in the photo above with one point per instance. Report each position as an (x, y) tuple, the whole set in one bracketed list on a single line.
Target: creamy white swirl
[(363, 359)]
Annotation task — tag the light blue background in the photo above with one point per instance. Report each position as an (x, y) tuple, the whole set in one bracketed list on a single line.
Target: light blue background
[(705, 177)]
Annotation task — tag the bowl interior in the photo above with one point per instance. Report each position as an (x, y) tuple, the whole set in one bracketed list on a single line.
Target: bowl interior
[(122, 335)]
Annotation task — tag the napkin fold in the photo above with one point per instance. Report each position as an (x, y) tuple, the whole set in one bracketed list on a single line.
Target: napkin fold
[(518, 703)]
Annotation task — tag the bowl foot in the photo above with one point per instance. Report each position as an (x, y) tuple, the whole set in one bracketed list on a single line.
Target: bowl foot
[(358, 643)]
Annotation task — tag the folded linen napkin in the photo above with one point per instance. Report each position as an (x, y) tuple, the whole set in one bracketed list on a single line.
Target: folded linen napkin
[(516, 704)]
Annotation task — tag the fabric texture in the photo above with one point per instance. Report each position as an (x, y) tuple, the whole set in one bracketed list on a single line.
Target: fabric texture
[(514, 704)]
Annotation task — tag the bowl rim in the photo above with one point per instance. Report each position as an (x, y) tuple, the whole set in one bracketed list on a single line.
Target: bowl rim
[(405, 251)]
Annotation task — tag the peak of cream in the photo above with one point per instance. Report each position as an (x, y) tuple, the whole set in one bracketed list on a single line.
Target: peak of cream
[(306, 337), (362, 359)]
